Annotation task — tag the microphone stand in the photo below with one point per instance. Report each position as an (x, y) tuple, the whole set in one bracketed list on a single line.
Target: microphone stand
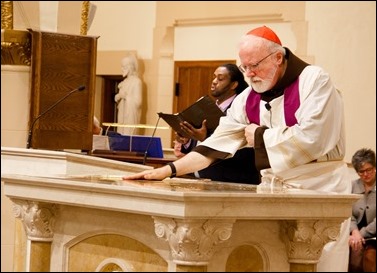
[(30, 135), (150, 141)]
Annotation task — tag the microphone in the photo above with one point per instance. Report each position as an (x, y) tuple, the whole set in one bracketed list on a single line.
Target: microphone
[(268, 106), (28, 144), (150, 141)]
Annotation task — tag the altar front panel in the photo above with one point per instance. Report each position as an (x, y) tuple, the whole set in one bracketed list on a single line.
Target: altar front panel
[(175, 224)]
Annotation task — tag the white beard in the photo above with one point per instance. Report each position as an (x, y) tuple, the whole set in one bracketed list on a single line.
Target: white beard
[(262, 86)]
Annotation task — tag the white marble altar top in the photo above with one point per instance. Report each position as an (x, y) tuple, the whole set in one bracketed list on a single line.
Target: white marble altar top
[(177, 197), (47, 162)]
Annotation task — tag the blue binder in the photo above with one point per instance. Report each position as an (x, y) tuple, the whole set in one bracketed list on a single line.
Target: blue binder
[(137, 143)]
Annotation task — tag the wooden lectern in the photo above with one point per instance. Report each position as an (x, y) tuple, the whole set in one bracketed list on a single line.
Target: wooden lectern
[(60, 64)]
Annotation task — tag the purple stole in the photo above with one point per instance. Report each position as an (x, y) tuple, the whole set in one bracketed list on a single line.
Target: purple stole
[(291, 104)]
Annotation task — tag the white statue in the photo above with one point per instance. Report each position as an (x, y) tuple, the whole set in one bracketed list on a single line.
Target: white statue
[(130, 96)]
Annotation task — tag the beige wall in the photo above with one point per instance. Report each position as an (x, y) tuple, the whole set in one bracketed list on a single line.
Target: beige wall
[(15, 101), (339, 36), (342, 37)]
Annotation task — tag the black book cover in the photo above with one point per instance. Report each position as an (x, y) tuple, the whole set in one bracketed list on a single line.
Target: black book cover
[(203, 108)]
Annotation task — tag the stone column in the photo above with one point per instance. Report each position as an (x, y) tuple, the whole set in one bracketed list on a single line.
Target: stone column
[(193, 242), (15, 91), (305, 239), (38, 221)]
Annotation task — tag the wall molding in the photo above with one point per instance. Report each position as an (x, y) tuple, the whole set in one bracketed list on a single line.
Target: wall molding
[(248, 19)]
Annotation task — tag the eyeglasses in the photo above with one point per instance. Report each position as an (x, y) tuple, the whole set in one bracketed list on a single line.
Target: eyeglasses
[(253, 67), (366, 171)]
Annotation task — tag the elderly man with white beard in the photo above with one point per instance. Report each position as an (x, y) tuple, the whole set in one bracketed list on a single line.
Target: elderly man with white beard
[(293, 117)]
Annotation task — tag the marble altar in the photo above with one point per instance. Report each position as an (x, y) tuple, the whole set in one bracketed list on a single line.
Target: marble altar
[(98, 222)]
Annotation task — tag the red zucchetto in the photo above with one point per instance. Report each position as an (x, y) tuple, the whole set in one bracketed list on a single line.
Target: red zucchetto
[(266, 33)]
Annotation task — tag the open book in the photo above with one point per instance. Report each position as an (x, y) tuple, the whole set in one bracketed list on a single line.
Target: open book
[(203, 108)]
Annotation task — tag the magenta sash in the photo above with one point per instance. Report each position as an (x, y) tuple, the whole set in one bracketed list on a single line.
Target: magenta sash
[(291, 104)]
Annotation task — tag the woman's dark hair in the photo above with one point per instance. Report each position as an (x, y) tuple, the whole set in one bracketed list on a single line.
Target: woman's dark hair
[(236, 76), (363, 156)]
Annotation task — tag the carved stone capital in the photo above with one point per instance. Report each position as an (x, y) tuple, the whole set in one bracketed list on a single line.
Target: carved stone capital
[(193, 242), (305, 239), (37, 218)]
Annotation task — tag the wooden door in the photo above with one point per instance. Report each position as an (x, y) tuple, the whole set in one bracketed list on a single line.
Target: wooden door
[(192, 80), (109, 111)]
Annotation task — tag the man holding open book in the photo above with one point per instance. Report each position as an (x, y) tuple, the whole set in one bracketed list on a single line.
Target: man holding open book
[(227, 83)]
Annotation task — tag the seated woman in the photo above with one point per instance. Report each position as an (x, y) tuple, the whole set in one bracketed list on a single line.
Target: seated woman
[(362, 240)]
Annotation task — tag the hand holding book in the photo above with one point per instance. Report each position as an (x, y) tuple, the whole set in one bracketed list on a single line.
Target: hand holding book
[(198, 134)]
